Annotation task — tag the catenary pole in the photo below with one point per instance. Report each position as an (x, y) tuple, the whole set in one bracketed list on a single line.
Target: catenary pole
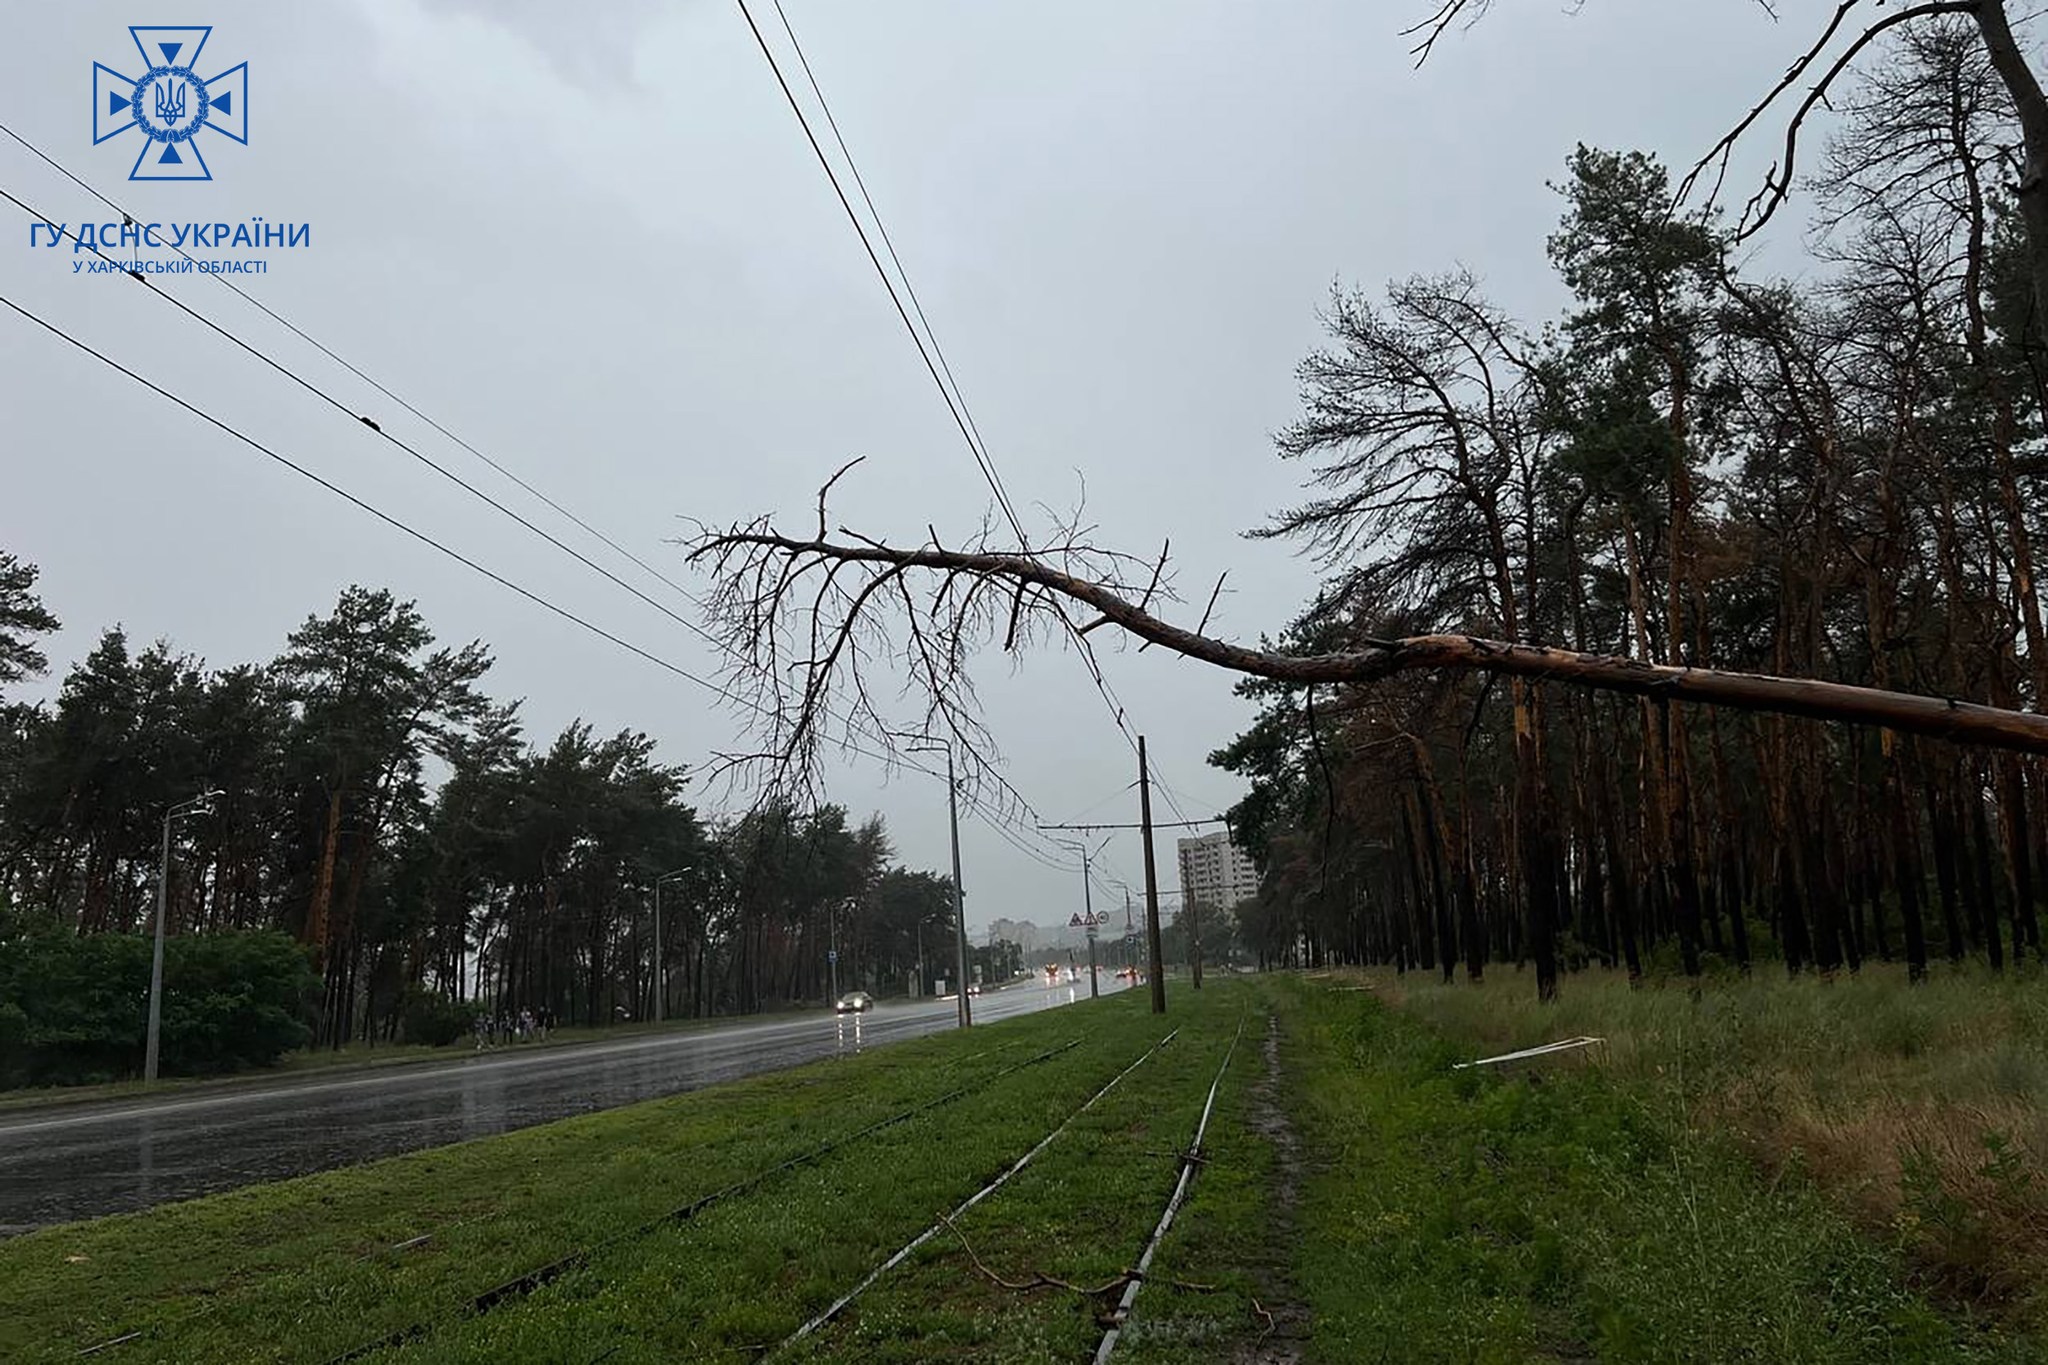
[(1151, 884), (959, 896)]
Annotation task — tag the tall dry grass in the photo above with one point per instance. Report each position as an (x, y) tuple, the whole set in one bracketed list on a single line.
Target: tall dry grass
[(1923, 1110)]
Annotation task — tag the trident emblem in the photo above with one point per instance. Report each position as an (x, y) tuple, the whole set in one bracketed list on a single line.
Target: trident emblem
[(170, 104)]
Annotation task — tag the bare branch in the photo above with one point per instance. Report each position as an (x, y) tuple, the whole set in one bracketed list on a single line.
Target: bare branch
[(1778, 179), (1213, 595), (1427, 31), (977, 587), (1039, 1279)]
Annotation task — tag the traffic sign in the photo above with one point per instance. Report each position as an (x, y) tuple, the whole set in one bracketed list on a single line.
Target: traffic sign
[(1074, 923), (832, 955)]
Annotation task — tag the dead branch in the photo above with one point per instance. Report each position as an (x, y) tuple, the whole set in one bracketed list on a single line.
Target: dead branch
[(1038, 1279), (1427, 31), (771, 589), (1778, 179), (1214, 593)]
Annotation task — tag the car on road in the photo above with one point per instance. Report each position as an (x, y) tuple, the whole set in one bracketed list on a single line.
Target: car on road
[(855, 1002), (974, 989)]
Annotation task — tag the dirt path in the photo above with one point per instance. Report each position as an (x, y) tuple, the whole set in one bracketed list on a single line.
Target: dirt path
[(1282, 1343)]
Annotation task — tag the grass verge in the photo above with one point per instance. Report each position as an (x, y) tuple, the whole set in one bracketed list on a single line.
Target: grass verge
[(1459, 1215), (1922, 1112), (304, 1269), (1357, 1200)]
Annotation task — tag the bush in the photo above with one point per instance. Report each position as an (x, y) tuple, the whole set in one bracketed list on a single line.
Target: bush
[(75, 1010), (432, 1018)]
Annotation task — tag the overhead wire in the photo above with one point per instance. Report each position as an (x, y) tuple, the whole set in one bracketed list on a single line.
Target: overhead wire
[(954, 398), (424, 538), (936, 364), (287, 372), (446, 473), (281, 320), (931, 366)]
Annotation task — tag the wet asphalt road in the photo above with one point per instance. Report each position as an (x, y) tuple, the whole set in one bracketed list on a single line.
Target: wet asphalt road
[(72, 1162)]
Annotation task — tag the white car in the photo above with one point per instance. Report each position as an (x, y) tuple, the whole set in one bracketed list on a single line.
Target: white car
[(855, 1002)]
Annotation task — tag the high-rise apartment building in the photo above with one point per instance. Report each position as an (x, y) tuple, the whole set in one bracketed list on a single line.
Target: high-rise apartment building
[(1215, 872)]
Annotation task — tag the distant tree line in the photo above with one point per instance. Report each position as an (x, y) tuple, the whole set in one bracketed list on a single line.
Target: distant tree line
[(1838, 476), (382, 812)]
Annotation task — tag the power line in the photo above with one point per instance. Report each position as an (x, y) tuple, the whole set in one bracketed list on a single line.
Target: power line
[(956, 401), (1156, 824), (962, 415), (372, 381), (431, 542), (883, 229), (340, 492), (1122, 791), (988, 472), (1006, 788)]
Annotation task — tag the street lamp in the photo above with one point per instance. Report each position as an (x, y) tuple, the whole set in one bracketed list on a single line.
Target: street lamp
[(1088, 909), (959, 896), (660, 958), (832, 942), (156, 960)]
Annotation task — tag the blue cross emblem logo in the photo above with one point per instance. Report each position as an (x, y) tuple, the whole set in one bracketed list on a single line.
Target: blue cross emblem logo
[(170, 103)]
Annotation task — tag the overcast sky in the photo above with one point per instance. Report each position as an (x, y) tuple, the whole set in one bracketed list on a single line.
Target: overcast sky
[(591, 240)]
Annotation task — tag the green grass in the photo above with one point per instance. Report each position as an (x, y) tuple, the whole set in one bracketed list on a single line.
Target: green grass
[(303, 1269), (1432, 1214), (746, 1274), (1922, 1111), (1565, 1216)]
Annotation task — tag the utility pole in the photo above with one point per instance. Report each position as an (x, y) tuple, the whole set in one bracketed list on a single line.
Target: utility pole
[(661, 958), (832, 949), (959, 896), (151, 1046), (1151, 884)]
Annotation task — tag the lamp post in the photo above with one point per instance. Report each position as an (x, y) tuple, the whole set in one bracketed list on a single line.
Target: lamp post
[(150, 1049), (1087, 910), (832, 947), (661, 959)]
